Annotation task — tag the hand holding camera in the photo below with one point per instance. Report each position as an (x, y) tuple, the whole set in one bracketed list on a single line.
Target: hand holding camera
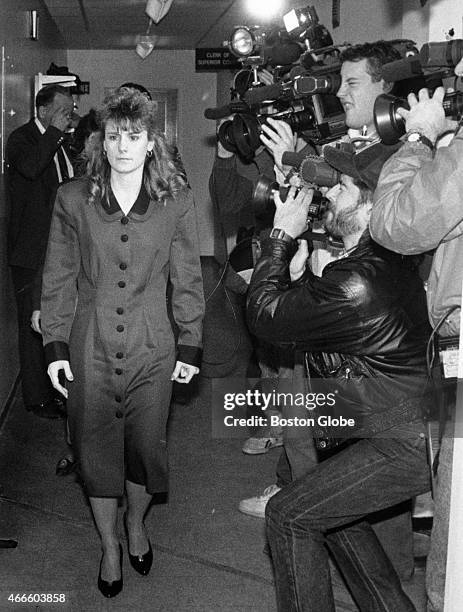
[(291, 215), (426, 115), (278, 137)]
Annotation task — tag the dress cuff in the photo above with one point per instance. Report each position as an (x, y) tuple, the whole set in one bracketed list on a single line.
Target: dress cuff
[(189, 354), (56, 351)]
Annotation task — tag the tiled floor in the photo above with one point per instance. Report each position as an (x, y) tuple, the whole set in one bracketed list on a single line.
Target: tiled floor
[(208, 556)]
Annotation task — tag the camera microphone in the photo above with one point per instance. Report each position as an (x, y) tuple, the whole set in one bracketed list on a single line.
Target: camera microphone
[(291, 158), (257, 95), (312, 168), (217, 113), (445, 53), (402, 69), (224, 111), (305, 85), (316, 170)]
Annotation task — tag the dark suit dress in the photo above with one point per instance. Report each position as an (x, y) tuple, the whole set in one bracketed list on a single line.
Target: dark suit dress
[(104, 307)]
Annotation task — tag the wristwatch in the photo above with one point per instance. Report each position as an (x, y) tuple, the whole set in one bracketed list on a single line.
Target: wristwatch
[(413, 136), (281, 235)]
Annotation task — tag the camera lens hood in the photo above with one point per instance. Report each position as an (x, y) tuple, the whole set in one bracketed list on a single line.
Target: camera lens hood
[(389, 125), (246, 131)]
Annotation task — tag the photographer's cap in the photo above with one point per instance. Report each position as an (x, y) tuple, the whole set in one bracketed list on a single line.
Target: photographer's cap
[(365, 165)]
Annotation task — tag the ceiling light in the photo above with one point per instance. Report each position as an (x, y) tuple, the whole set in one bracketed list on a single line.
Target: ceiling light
[(33, 25), (265, 9), (157, 9)]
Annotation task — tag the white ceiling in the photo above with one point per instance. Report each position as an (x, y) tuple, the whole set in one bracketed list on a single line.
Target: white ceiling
[(117, 24)]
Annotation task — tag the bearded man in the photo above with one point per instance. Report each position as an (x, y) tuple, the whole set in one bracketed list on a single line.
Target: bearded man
[(363, 328)]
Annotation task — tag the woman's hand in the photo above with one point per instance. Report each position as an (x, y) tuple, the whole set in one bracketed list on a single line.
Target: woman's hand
[(183, 372), (35, 321), (53, 372)]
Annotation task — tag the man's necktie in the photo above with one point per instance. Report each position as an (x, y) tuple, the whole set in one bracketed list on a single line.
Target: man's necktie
[(62, 165)]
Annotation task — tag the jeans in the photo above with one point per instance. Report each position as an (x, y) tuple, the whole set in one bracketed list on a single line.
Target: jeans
[(393, 526), (298, 454), (325, 510)]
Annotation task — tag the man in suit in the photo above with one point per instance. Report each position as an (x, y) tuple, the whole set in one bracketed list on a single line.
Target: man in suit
[(37, 164)]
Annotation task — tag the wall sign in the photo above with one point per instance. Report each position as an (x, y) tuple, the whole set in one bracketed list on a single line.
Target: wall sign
[(215, 59)]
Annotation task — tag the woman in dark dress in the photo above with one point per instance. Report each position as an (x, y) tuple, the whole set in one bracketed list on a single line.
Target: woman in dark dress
[(117, 236)]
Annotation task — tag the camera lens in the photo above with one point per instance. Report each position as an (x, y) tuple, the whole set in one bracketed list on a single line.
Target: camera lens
[(225, 136), (240, 135), (389, 125), (246, 131), (262, 198), (300, 120)]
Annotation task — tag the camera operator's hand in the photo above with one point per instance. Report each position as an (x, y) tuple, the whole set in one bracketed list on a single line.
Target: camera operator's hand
[(291, 215), (299, 261), (278, 137), (265, 77), (61, 118), (426, 115)]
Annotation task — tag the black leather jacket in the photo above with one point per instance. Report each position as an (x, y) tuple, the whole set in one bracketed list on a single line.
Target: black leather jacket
[(363, 325)]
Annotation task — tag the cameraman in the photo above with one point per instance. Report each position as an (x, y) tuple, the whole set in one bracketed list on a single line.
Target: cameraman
[(231, 186), (232, 182), (418, 208), (361, 83), (363, 326)]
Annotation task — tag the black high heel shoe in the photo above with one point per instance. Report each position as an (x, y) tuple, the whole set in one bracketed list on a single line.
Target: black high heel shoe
[(140, 563), (111, 589)]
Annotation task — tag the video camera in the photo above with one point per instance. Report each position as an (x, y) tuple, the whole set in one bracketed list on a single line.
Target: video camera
[(435, 62), (306, 76), (263, 198), (311, 170)]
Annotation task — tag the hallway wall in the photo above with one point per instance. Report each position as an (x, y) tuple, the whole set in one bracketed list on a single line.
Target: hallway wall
[(24, 58)]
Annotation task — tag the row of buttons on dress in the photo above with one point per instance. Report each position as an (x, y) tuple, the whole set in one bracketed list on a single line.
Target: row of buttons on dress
[(120, 311)]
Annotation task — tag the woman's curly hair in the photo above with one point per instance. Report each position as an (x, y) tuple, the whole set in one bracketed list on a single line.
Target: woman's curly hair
[(163, 176)]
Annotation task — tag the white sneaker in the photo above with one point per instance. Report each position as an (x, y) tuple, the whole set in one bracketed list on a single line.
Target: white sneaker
[(259, 446), (255, 506)]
